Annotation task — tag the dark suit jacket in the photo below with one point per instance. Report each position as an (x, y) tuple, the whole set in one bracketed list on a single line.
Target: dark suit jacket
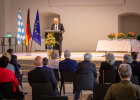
[(67, 65), (60, 27), (105, 66), (40, 74), (134, 69), (86, 68), (124, 90), (16, 65)]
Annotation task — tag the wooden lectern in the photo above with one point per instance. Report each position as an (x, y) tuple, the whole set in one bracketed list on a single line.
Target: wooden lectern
[(57, 35)]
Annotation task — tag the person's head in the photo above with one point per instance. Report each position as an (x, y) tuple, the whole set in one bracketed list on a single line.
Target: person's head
[(4, 62), (10, 51), (125, 71), (45, 61), (87, 56), (134, 55), (128, 58), (67, 53), (38, 61), (7, 55), (55, 20), (54, 54), (110, 58)]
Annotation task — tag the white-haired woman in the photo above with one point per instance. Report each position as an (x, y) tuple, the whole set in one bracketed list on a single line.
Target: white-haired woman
[(109, 64), (53, 62)]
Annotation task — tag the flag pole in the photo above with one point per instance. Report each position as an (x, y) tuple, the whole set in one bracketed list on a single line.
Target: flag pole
[(31, 46)]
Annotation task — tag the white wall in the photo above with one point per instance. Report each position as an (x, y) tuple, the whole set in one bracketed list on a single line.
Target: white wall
[(2, 7), (84, 25)]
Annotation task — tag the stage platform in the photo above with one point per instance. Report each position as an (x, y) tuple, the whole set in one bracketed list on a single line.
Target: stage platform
[(97, 56)]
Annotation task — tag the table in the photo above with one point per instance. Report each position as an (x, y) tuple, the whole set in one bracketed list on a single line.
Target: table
[(124, 45)]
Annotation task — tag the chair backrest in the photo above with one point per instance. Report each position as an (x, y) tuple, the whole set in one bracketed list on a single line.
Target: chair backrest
[(109, 76), (53, 98), (39, 89), (6, 89), (134, 80), (100, 90), (68, 76), (84, 82), (56, 73)]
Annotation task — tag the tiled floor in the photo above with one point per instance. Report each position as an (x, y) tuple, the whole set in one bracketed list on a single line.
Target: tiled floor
[(69, 89)]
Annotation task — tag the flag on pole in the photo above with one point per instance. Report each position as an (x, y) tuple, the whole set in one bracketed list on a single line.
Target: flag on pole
[(28, 29), (21, 34), (36, 31)]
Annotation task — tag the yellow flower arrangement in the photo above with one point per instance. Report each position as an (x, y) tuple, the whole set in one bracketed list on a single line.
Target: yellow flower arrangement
[(50, 40), (120, 35)]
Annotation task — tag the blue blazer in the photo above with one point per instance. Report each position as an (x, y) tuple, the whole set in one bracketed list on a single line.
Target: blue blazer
[(67, 65)]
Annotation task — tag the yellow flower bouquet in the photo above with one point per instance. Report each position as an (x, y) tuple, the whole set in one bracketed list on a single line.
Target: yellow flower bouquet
[(112, 36)]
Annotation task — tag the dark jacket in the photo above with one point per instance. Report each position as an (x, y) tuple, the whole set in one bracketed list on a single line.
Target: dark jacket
[(105, 66), (67, 65), (86, 68), (60, 27), (124, 90), (134, 69), (40, 74)]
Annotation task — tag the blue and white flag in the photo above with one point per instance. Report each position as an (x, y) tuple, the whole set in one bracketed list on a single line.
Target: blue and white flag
[(21, 34)]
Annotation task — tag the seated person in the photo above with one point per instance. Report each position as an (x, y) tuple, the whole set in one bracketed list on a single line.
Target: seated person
[(125, 90), (9, 66), (128, 60), (109, 64), (45, 63), (136, 63), (14, 62), (40, 74), (67, 64), (9, 76), (53, 62), (85, 67)]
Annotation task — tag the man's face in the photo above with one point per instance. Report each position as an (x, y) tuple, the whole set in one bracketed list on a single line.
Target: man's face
[(55, 21)]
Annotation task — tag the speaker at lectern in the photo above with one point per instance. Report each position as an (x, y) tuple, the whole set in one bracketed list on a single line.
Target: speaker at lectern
[(57, 35)]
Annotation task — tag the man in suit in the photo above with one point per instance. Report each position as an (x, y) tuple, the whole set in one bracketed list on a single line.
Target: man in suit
[(124, 90), (58, 26), (67, 64), (85, 67), (40, 74)]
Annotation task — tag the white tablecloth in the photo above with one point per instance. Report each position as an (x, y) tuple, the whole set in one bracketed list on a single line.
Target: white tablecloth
[(118, 45)]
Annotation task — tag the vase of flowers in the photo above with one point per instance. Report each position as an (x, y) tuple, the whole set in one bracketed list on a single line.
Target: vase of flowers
[(131, 35), (111, 36), (120, 35), (50, 43)]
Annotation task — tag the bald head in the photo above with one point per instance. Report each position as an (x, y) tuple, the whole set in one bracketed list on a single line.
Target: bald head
[(38, 61)]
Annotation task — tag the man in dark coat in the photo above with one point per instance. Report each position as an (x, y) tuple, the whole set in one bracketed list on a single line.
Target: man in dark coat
[(59, 36)]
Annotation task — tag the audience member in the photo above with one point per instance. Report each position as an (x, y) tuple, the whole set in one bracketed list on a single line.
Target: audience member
[(53, 62), (9, 66), (85, 67), (17, 66), (45, 63), (124, 90), (40, 74), (67, 64), (8, 76), (128, 60), (109, 64), (136, 63)]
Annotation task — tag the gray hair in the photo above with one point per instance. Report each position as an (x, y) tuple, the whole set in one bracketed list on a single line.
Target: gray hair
[(110, 58), (67, 53), (125, 71), (54, 54), (55, 18), (87, 56), (128, 58)]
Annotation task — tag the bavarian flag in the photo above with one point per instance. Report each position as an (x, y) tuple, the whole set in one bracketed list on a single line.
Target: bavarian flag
[(28, 29), (36, 31)]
